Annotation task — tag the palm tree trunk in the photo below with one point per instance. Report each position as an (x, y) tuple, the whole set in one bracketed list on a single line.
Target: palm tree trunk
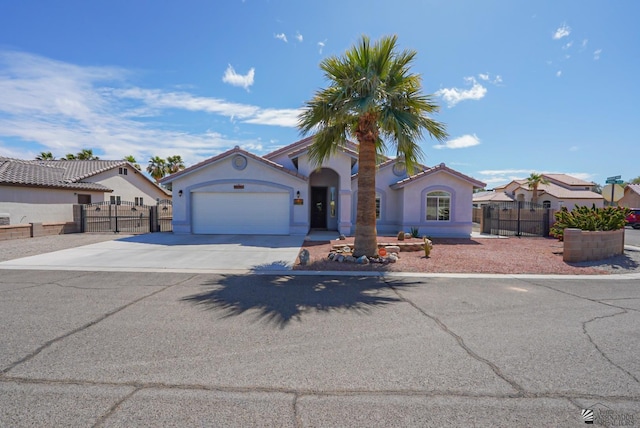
[(365, 243)]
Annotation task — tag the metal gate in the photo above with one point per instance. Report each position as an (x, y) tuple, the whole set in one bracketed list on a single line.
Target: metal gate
[(164, 211), (125, 217), (515, 219)]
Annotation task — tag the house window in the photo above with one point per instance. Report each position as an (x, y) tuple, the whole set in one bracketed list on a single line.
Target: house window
[(115, 200), (332, 201), (378, 198), (546, 204), (84, 199), (139, 201), (438, 206), (122, 171)]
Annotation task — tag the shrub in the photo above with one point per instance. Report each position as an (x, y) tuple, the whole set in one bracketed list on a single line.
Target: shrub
[(414, 232), (401, 235), (591, 219)]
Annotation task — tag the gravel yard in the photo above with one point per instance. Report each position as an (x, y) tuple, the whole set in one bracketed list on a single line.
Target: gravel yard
[(479, 255)]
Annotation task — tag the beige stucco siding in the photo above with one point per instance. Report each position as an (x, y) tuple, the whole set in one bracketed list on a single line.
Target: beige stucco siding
[(130, 186)]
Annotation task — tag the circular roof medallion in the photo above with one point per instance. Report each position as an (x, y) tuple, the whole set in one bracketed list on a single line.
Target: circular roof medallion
[(399, 169), (239, 162)]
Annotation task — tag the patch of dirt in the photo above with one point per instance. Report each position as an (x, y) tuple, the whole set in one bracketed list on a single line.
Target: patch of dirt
[(510, 255)]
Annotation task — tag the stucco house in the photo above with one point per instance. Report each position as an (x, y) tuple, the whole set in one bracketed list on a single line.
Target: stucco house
[(631, 197), (561, 190), (238, 192), (45, 191)]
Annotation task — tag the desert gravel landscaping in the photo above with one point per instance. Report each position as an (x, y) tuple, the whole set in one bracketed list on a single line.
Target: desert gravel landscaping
[(511, 255)]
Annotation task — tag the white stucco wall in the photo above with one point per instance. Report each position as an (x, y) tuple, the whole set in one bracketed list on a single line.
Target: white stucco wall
[(40, 205), (130, 186), (460, 222), (221, 176)]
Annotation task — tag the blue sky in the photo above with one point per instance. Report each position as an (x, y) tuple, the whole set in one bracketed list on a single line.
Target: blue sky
[(544, 86)]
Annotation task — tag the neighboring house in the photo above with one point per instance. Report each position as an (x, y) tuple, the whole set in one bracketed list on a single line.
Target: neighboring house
[(44, 191), (284, 193), (631, 198), (561, 191), (490, 197)]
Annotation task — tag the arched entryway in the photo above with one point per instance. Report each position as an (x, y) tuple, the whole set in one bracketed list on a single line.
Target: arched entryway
[(324, 189)]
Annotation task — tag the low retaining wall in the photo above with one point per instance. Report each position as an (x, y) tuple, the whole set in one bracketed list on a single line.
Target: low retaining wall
[(581, 245), (32, 230), (404, 246)]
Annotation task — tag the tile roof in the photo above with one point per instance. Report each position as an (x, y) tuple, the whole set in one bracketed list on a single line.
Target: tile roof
[(491, 196), (563, 193), (634, 188), (235, 150), (567, 179), (55, 174), (433, 170)]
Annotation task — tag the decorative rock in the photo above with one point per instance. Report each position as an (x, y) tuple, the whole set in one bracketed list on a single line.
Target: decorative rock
[(346, 249), (392, 258), (332, 255), (392, 249), (342, 237), (362, 260), (340, 258), (304, 257), (350, 259)]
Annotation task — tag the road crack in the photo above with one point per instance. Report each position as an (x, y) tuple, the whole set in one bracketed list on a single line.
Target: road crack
[(521, 391), (84, 327)]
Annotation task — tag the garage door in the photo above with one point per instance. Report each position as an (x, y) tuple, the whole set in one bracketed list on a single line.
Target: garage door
[(240, 213)]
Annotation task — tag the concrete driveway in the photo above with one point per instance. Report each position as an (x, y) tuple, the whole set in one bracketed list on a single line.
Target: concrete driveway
[(173, 253)]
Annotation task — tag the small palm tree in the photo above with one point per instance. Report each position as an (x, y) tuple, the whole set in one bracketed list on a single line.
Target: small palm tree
[(133, 161), (86, 154), (157, 168), (174, 164), (533, 182), (371, 95), (45, 156), (70, 156)]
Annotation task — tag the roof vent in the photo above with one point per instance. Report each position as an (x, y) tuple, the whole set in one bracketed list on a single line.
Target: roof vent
[(442, 165)]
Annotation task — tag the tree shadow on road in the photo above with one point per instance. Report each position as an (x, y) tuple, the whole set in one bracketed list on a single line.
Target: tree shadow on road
[(279, 300)]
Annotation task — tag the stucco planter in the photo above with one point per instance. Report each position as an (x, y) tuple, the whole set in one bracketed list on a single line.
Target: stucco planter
[(581, 245)]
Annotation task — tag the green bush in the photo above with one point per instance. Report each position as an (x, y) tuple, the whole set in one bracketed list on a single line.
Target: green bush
[(591, 219), (415, 232)]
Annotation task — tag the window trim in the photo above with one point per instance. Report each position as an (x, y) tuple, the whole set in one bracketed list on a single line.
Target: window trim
[(452, 197)]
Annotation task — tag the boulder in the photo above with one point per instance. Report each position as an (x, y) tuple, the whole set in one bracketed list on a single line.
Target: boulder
[(363, 260), (392, 249), (304, 257)]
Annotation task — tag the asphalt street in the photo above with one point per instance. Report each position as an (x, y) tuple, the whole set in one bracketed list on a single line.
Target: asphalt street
[(174, 349)]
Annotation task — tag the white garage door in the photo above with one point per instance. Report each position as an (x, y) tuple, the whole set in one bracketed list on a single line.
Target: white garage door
[(240, 213)]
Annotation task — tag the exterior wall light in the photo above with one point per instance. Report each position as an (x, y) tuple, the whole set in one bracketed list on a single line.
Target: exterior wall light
[(180, 193)]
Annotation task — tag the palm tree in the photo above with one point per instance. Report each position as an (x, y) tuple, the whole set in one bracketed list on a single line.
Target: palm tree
[(133, 161), (371, 95), (157, 168), (533, 182), (70, 156), (45, 156), (86, 154), (174, 164)]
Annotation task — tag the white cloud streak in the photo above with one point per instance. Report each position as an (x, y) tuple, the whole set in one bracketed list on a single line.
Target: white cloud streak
[(64, 108), (596, 54), (563, 31), (462, 142), (282, 37), (453, 96), (299, 37), (235, 79)]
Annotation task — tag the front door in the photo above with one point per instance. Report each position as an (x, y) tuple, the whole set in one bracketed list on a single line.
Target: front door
[(318, 207)]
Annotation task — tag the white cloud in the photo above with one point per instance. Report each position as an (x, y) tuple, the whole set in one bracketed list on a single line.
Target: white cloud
[(460, 142), (282, 37), (299, 37), (235, 79), (321, 45), (453, 96), (584, 44), (563, 31), (567, 45), (483, 76), (596, 54), (48, 105), (558, 73)]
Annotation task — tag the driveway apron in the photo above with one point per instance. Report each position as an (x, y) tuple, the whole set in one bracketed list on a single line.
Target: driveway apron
[(175, 253)]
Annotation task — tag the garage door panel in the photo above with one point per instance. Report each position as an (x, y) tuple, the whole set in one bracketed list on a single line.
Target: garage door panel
[(240, 213)]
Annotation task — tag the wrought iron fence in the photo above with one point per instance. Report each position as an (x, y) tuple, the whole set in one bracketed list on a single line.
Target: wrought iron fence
[(126, 217), (516, 219)]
